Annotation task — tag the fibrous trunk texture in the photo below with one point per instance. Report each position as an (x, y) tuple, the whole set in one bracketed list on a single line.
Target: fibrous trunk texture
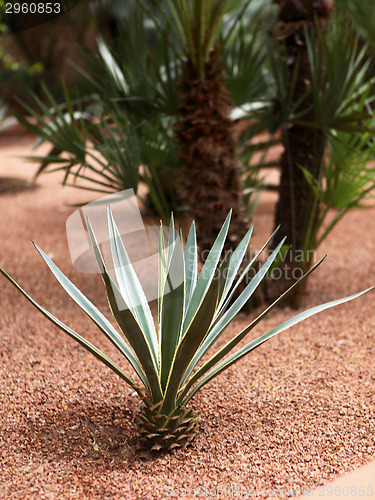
[(159, 432), (303, 147), (210, 184)]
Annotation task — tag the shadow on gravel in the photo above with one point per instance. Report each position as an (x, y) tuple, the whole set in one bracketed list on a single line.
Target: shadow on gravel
[(88, 431)]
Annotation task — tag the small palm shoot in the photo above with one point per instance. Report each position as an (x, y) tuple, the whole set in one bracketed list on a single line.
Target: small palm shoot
[(193, 312)]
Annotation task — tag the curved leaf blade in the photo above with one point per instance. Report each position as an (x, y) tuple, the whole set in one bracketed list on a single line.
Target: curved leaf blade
[(130, 287), (94, 314), (128, 324), (207, 273), (190, 342), (172, 311), (219, 326), (191, 265)]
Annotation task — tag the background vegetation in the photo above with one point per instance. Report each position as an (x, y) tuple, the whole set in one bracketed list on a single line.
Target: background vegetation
[(173, 96)]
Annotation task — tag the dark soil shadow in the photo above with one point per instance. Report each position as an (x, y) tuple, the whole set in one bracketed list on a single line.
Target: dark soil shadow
[(99, 432)]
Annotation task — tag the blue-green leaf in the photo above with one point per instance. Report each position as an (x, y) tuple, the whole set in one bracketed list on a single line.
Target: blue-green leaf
[(207, 273), (190, 342), (191, 265), (237, 258), (128, 324), (172, 311), (97, 317), (130, 287), (219, 327)]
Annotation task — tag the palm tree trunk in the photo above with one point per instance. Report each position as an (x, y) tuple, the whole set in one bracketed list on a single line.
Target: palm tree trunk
[(303, 146), (210, 183)]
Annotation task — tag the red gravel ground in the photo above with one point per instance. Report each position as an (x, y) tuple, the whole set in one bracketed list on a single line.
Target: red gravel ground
[(290, 417)]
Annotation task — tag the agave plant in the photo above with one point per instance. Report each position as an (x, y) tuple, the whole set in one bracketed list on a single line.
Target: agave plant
[(193, 313)]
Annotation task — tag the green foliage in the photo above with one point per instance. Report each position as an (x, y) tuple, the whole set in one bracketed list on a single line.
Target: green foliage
[(44, 49), (121, 133), (348, 182), (340, 83), (363, 15), (339, 80), (197, 26), (342, 108), (15, 76), (136, 100), (103, 153), (193, 312)]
